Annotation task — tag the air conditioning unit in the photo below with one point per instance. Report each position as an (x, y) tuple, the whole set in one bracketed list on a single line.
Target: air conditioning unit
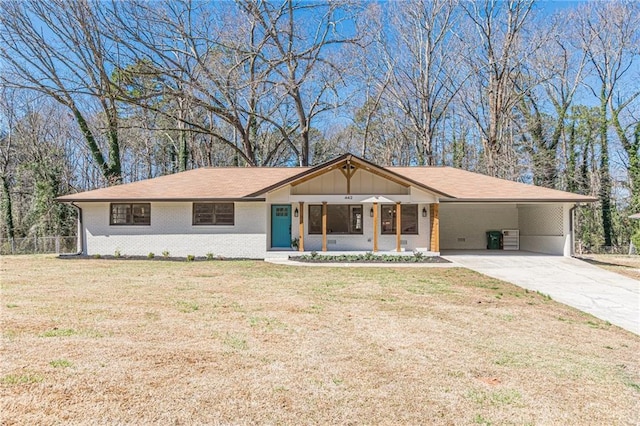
[(510, 239)]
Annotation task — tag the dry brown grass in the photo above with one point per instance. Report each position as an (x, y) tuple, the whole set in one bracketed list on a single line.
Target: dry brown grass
[(118, 341), (628, 266)]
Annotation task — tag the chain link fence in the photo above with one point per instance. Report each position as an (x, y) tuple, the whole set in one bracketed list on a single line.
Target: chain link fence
[(34, 245), (619, 249)]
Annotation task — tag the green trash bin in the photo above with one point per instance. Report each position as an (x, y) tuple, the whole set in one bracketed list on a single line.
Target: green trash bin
[(494, 240)]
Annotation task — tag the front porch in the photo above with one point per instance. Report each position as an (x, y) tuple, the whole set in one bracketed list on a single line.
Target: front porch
[(362, 226), (351, 205)]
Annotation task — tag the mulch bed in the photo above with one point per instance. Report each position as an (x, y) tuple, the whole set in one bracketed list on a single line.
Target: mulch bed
[(367, 258)]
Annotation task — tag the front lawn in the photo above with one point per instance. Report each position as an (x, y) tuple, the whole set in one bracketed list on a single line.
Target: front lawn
[(135, 342)]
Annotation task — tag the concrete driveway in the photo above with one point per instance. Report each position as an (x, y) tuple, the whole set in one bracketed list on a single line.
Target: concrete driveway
[(606, 295)]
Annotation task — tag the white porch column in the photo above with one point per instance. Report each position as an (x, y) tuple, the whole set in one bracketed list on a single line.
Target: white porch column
[(375, 227), (398, 226)]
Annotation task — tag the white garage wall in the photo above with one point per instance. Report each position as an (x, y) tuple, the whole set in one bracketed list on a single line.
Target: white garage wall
[(463, 226), (544, 228), (171, 229)]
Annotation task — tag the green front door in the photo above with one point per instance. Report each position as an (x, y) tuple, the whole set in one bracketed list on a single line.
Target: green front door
[(280, 226)]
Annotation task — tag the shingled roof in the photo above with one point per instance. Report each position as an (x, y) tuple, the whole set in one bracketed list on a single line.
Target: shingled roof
[(207, 183), (466, 186), (253, 183)]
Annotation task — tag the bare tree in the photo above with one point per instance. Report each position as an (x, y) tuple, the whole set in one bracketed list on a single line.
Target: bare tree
[(496, 54), (209, 64), (301, 50), (7, 157), (420, 54), (35, 154), (560, 70), (608, 33), (56, 48)]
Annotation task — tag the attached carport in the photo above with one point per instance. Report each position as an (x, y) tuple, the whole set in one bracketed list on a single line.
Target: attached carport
[(541, 227), (470, 204)]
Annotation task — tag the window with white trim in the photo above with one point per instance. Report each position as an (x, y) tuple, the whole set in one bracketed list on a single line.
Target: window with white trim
[(130, 214)]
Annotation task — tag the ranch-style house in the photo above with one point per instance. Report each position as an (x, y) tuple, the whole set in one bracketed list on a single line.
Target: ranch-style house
[(346, 204)]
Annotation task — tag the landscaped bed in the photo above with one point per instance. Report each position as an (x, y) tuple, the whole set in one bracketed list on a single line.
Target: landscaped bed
[(367, 258), (89, 341)]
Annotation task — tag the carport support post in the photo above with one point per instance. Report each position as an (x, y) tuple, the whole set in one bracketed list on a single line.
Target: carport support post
[(301, 228), (324, 226), (435, 227), (398, 226), (375, 227)]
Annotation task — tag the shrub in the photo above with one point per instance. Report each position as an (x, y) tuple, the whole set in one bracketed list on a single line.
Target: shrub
[(117, 254), (151, 255), (209, 256), (190, 258), (635, 239), (165, 253), (369, 258)]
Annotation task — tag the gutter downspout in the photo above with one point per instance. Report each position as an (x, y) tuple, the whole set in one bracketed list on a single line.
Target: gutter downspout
[(80, 251)]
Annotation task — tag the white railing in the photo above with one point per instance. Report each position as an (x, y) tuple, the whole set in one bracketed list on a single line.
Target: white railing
[(33, 245)]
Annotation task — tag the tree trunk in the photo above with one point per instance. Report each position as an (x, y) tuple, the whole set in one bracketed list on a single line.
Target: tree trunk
[(7, 210), (111, 172), (634, 170), (605, 178), (633, 152), (570, 171)]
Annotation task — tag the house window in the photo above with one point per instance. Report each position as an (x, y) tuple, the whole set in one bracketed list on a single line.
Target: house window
[(341, 219), (408, 219), (213, 214), (130, 214)]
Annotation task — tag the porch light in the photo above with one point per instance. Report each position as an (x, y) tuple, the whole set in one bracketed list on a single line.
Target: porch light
[(296, 212), (371, 212), (424, 212)]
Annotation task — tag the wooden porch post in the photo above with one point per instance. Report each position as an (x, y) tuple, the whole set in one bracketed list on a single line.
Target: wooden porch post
[(398, 226), (375, 227), (324, 226), (301, 228), (435, 227)]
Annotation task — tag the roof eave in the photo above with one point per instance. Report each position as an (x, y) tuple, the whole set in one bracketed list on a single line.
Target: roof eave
[(519, 200), (156, 200)]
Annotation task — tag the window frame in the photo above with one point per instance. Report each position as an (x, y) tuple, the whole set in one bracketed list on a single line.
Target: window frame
[(393, 219), (350, 209), (130, 219), (213, 214)]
